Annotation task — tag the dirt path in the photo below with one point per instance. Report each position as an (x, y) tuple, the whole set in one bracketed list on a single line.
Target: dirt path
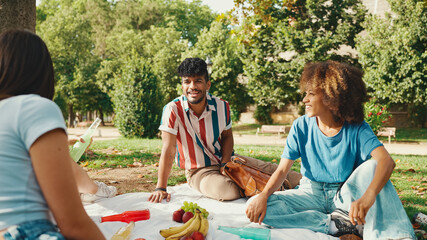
[(132, 179)]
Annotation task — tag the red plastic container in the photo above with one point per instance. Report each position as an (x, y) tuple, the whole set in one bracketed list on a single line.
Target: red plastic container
[(128, 216)]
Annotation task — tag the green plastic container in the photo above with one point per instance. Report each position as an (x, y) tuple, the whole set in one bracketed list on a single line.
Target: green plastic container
[(248, 233)]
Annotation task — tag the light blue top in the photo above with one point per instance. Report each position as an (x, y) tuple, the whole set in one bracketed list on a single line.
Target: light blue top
[(329, 159), (23, 119)]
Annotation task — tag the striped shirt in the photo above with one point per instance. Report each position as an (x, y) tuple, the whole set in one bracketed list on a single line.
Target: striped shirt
[(191, 131)]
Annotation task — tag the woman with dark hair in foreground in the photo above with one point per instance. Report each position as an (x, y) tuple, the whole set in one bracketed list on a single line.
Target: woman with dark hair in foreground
[(36, 171)]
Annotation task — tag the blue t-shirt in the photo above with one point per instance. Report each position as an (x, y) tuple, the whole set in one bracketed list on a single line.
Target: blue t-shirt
[(329, 159), (23, 119)]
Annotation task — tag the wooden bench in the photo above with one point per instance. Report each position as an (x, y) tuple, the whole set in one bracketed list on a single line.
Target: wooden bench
[(387, 132), (271, 129)]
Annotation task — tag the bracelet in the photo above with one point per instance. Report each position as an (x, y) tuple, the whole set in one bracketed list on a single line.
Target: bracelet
[(160, 189)]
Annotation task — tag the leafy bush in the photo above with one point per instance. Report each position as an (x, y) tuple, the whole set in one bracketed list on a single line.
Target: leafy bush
[(262, 114), (136, 99), (393, 56), (376, 115)]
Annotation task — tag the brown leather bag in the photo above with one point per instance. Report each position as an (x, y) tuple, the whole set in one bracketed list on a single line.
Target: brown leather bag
[(250, 180)]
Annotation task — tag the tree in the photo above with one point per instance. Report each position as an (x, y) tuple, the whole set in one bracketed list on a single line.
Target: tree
[(278, 37), (188, 17), (100, 14), (92, 40), (138, 14), (157, 30), (44, 9), (163, 48), (67, 34), (220, 46), (394, 58), (136, 99), (17, 14)]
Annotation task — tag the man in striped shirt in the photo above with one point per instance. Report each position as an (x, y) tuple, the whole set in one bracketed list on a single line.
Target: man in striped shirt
[(196, 132)]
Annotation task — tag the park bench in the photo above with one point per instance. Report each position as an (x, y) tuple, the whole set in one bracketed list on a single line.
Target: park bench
[(271, 129), (387, 132)]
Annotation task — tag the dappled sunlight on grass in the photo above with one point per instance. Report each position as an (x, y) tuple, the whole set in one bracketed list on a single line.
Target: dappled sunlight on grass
[(410, 180)]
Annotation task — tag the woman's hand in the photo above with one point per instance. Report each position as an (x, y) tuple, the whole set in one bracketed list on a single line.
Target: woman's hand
[(257, 208), (74, 140), (360, 207), (385, 166)]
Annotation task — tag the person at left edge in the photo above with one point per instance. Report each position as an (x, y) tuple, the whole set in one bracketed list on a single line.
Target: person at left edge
[(36, 175)]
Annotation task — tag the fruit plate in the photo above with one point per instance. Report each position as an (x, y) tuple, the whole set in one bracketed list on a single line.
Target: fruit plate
[(228, 213)]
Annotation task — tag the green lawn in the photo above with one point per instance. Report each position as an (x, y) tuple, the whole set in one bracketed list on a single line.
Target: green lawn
[(411, 135), (409, 176), (402, 134)]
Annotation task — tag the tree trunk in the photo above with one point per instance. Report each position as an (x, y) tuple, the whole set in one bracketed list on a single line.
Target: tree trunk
[(71, 116), (19, 14), (101, 116)]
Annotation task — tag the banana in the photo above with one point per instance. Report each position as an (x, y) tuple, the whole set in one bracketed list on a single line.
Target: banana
[(195, 225), (204, 226), (174, 230)]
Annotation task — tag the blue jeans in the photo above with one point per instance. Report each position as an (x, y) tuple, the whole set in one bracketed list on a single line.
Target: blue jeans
[(33, 230), (310, 206)]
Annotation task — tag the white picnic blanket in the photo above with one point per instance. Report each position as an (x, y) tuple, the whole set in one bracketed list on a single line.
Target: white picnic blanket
[(230, 213)]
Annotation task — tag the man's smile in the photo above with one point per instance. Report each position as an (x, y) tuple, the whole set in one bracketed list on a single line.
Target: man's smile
[(193, 93)]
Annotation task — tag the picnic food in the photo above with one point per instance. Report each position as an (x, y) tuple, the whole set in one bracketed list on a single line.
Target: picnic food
[(124, 232), (187, 211), (177, 215), (204, 226), (184, 230), (187, 216), (128, 216), (197, 236), (191, 207), (196, 224)]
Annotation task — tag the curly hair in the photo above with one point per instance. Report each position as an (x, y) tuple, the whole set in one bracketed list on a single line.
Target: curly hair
[(191, 67), (343, 89)]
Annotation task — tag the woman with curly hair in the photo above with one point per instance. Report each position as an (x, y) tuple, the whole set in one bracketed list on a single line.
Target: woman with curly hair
[(342, 191)]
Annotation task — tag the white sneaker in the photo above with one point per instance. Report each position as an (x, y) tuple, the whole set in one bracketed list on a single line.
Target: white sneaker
[(104, 191)]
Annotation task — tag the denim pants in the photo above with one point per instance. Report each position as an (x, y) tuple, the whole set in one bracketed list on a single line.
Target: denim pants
[(33, 230), (310, 206)]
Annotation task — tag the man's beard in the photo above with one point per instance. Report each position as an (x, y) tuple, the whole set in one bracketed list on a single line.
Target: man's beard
[(196, 101)]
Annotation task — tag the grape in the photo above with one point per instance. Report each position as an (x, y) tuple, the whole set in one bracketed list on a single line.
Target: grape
[(191, 207)]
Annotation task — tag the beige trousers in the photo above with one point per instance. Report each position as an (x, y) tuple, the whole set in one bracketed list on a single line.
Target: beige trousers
[(210, 182)]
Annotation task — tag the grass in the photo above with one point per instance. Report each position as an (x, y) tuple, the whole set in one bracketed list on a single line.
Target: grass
[(410, 180), (245, 129), (122, 151), (411, 135), (402, 134), (409, 176)]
